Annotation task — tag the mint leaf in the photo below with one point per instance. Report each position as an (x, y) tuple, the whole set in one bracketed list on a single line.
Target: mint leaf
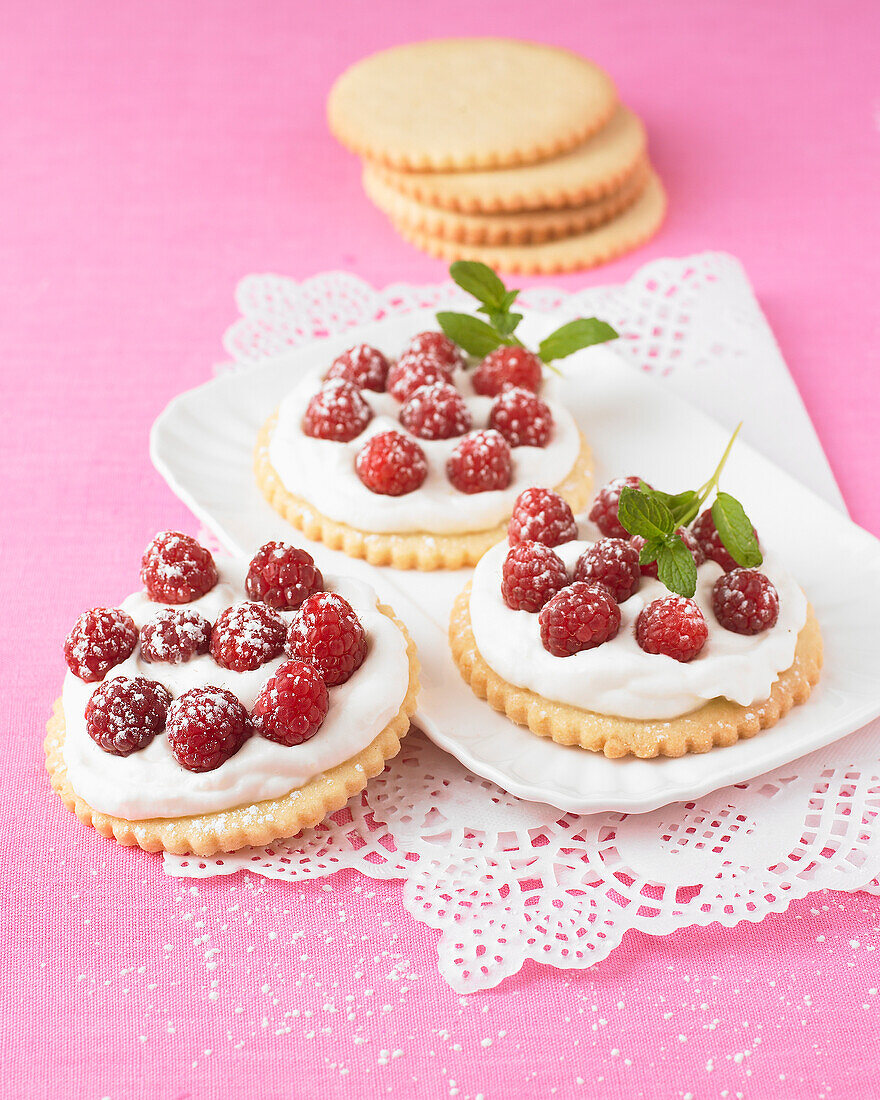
[(650, 550), (504, 323), (509, 298), (481, 281), (676, 567), (470, 333), (736, 531), (643, 514), (582, 333)]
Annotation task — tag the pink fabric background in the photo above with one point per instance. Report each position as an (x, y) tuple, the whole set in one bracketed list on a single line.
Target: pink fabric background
[(151, 155)]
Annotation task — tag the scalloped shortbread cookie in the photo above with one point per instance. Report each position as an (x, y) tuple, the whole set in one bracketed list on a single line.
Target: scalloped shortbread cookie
[(525, 227), (469, 103)]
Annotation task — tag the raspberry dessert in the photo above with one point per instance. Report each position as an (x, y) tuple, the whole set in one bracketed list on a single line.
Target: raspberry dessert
[(481, 463), (604, 508), (673, 626), (337, 412), (506, 367), (522, 418), (540, 515), (176, 569), (572, 636), (419, 467), (613, 563), (282, 576), (243, 716), (436, 411), (391, 465), (532, 574), (364, 366), (176, 634)]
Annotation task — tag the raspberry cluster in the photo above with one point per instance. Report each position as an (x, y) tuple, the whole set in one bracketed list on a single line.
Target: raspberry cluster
[(432, 408), (207, 725)]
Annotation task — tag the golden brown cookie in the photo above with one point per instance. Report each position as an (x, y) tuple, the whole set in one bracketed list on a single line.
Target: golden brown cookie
[(457, 103), (717, 723), (586, 173), (524, 227), (257, 823), (637, 224), (418, 550)]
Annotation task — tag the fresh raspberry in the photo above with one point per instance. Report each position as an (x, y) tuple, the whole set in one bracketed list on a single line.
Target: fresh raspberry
[(100, 639), (505, 367), (282, 576), (745, 601), (612, 562), (436, 411), (480, 463), (673, 626), (363, 366), (439, 347), (604, 510), (206, 726), (540, 515), (579, 617), (327, 633), (706, 534), (123, 715), (292, 704), (412, 370), (338, 411), (532, 573), (522, 418), (175, 569), (391, 464), (246, 636), (650, 570), (175, 635)]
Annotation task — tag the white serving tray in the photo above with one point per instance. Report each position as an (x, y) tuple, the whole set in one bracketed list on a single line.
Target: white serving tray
[(202, 445)]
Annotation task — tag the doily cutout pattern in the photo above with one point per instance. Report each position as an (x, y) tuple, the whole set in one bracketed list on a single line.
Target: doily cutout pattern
[(505, 880)]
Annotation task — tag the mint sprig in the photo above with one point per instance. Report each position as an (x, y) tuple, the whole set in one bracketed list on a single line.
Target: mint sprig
[(656, 517), (479, 337)]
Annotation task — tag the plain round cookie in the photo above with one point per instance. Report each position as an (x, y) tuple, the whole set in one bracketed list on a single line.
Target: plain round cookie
[(259, 822), (717, 723), (409, 550), (588, 172), (630, 229), (468, 103), (518, 227)]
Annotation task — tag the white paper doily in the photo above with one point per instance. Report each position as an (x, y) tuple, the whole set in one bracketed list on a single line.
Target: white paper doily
[(506, 880)]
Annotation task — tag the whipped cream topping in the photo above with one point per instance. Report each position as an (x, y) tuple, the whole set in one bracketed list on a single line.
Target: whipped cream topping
[(619, 678), (322, 472), (150, 783)]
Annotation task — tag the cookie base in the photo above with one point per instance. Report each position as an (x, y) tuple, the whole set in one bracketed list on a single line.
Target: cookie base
[(256, 823), (624, 233), (416, 550), (717, 723)]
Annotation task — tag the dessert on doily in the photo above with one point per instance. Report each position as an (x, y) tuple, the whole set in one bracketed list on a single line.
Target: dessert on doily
[(416, 461), (655, 633), (228, 703)]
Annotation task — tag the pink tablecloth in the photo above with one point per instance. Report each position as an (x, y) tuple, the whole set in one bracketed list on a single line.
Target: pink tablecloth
[(153, 153)]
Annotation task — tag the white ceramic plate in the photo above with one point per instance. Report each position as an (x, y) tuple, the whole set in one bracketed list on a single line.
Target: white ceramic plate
[(202, 444)]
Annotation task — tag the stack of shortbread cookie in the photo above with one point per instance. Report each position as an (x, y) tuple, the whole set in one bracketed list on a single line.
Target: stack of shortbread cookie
[(513, 153)]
